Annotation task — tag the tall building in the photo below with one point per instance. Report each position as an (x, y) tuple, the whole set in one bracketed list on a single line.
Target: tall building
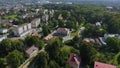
[(19, 30)]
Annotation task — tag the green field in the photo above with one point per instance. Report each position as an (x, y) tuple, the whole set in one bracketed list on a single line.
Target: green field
[(10, 16), (74, 33)]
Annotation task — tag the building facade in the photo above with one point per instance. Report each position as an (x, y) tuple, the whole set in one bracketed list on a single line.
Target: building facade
[(35, 23)]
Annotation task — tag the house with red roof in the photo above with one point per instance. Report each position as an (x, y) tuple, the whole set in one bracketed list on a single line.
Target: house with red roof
[(74, 60), (62, 32), (103, 65)]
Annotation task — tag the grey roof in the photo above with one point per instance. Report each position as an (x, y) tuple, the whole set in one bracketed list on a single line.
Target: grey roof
[(31, 50)]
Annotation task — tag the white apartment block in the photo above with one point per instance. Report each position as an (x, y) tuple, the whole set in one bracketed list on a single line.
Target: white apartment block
[(25, 29), (19, 30)]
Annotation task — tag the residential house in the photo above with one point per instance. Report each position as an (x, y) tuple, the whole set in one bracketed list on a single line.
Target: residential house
[(3, 31), (110, 35), (102, 39), (89, 40), (35, 23), (48, 37), (2, 37), (74, 60), (32, 51), (62, 32), (45, 17), (45, 11), (109, 8), (98, 24), (34, 34), (103, 65)]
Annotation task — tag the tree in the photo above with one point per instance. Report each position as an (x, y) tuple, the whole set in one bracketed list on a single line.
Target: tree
[(55, 23), (53, 64), (34, 40), (93, 31), (14, 58), (46, 30), (75, 42), (70, 25), (2, 61), (61, 58), (114, 25), (5, 47), (42, 60), (8, 45), (87, 52), (113, 44), (53, 47), (65, 14), (17, 45)]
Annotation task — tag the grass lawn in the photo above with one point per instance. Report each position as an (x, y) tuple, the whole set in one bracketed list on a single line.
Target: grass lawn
[(10, 16), (74, 33), (66, 48)]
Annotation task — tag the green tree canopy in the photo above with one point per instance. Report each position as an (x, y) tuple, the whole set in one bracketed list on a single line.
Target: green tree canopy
[(113, 44), (87, 52), (34, 40), (42, 60), (53, 47), (15, 58)]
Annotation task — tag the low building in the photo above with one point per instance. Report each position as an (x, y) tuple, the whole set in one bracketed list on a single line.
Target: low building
[(89, 40), (48, 37), (32, 51), (98, 24), (45, 17), (103, 65), (2, 37), (62, 32), (34, 34), (74, 60), (110, 35), (109, 8), (35, 23), (3, 31)]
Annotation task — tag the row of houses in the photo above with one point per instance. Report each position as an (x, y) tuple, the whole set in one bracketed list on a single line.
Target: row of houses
[(20, 30), (74, 61), (101, 40)]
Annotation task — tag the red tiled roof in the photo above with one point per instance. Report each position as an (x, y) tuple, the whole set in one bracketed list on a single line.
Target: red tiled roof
[(48, 37), (74, 59), (62, 29), (103, 65)]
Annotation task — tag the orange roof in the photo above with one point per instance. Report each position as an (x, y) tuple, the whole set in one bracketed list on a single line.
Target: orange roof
[(62, 29), (103, 65), (48, 37), (34, 34)]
